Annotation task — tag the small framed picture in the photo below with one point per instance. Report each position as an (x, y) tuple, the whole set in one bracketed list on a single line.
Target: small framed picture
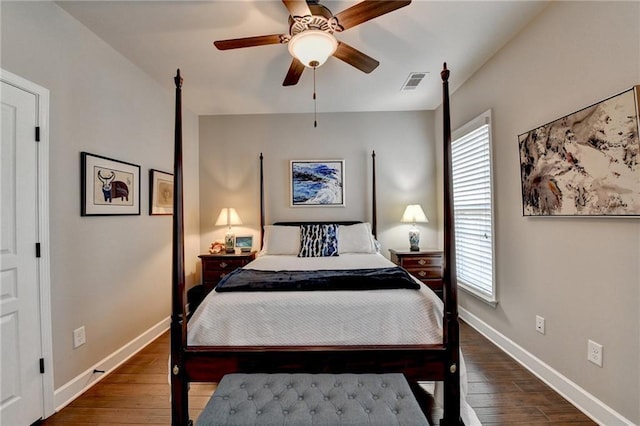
[(108, 186), (160, 193), (244, 243)]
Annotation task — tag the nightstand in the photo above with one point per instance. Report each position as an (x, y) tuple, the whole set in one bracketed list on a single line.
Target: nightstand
[(216, 266), (426, 265)]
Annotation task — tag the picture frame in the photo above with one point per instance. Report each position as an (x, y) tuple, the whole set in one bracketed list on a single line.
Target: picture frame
[(586, 163), (108, 186), (160, 193), (244, 243), (317, 183)]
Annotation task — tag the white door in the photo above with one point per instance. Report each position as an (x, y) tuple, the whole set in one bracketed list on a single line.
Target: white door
[(21, 400)]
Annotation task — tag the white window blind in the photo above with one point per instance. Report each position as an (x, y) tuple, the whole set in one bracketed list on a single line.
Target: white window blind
[(473, 207)]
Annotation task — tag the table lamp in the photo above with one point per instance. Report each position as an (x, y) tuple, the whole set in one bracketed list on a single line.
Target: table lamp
[(228, 216), (414, 214)]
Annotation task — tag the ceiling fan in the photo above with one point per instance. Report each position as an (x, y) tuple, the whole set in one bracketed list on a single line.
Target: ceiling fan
[(311, 37)]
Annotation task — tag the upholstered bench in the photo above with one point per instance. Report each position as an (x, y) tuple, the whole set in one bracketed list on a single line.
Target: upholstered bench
[(312, 399)]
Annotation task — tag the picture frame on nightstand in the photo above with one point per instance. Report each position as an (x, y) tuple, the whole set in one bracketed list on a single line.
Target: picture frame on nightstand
[(244, 243)]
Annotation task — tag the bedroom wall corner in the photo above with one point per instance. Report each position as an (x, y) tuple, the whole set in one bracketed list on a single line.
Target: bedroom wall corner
[(580, 273), (110, 274)]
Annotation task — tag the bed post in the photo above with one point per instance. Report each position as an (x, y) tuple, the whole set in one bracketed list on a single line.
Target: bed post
[(179, 396), (374, 210), (261, 202), (451, 328)]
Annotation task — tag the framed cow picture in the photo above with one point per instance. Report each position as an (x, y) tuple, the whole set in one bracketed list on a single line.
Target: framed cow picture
[(108, 186)]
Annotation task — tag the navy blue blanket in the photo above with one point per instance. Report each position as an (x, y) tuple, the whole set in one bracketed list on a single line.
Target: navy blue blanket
[(350, 279)]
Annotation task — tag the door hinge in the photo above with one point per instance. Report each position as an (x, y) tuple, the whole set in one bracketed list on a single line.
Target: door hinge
[(37, 133), (37, 249), (41, 365)]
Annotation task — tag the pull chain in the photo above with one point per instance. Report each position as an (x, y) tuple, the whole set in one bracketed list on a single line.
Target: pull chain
[(315, 122), (314, 65)]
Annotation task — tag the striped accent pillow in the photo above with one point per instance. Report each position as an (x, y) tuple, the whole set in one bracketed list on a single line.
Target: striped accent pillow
[(318, 240)]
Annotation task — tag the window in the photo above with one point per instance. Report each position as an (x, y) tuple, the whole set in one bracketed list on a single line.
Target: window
[(473, 207)]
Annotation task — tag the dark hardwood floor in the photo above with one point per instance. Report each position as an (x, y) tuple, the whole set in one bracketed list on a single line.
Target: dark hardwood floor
[(500, 391)]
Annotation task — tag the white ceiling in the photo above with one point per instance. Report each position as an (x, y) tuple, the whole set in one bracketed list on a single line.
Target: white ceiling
[(161, 36)]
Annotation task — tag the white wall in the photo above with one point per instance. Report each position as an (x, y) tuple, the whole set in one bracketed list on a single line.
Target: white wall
[(110, 274), (581, 274), (405, 169)]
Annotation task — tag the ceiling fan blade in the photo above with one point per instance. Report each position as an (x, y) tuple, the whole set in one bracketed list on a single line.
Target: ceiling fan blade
[(366, 10), (238, 43), (297, 7), (294, 73), (355, 58)]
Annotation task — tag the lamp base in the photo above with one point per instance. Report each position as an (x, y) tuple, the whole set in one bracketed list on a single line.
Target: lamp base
[(229, 244), (414, 239)]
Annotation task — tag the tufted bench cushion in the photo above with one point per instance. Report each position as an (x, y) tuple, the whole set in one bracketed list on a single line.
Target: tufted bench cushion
[(312, 399)]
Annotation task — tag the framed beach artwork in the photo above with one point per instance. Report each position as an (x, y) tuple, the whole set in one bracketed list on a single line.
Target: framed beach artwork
[(244, 243), (585, 163), (108, 186), (317, 183)]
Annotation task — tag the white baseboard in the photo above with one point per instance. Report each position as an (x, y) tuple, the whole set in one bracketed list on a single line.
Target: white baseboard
[(583, 400), (66, 393)]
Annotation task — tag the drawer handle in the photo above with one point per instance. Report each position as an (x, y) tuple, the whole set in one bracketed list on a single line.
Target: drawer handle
[(223, 264), (422, 262), (422, 273)]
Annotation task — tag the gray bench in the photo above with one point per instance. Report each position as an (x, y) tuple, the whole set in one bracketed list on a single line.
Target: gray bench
[(312, 399)]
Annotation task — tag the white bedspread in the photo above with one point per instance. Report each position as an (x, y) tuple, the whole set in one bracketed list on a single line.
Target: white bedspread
[(325, 317), (318, 317)]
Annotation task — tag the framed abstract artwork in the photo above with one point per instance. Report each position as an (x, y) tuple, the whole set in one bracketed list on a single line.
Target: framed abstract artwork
[(108, 186), (317, 183), (160, 193), (585, 163)]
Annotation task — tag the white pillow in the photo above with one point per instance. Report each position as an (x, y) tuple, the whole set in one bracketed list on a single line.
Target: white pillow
[(355, 238), (281, 240)]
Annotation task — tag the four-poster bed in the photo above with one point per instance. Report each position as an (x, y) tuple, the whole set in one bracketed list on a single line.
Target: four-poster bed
[(417, 361)]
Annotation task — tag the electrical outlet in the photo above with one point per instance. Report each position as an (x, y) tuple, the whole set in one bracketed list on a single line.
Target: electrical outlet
[(79, 337), (539, 324), (594, 353)]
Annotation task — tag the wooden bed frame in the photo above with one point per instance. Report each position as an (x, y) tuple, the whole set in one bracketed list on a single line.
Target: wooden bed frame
[(436, 362)]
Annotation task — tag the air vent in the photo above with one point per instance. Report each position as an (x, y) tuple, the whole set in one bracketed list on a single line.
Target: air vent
[(413, 80)]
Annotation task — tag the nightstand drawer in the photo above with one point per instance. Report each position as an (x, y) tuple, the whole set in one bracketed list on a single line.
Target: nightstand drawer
[(216, 274), (216, 266), (435, 285), (425, 273), (420, 262), (222, 264)]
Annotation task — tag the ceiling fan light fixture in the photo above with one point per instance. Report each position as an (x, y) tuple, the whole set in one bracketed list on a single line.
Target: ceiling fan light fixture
[(312, 47)]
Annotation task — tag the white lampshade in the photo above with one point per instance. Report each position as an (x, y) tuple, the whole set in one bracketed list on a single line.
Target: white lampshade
[(228, 216), (312, 47), (414, 214)]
